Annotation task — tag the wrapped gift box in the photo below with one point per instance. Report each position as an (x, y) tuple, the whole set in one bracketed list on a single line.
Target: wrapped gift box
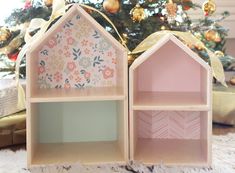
[(13, 129), (9, 97), (224, 104)]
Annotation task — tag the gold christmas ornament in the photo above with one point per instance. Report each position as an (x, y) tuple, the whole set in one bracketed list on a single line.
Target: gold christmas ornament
[(163, 27), (212, 35), (111, 6), (219, 53), (48, 3), (209, 7), (131, 59), (137, 13), (5, 34), (171, 8)]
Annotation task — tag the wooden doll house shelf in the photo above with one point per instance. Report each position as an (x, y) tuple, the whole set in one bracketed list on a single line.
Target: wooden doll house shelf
[(170, 106), (77, 94)]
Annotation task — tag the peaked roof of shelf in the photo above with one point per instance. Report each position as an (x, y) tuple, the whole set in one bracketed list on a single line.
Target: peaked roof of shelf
[(82, 12), (168, 37)]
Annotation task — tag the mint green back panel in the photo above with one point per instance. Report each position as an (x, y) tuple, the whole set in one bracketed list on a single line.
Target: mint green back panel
[(77, 122)]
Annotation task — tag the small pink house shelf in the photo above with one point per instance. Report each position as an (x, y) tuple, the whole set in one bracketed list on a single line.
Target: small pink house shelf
[(170, 106), (77, 94)]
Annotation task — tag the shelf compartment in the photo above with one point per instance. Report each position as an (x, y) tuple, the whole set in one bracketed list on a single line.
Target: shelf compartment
[(170, 137), (82, 152), (169, 101), (160, 78), (170, 152), (84, 94), (64, 132), (82, 64)]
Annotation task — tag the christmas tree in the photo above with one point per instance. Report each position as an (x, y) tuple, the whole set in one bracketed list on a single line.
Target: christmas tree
[(134, 19)]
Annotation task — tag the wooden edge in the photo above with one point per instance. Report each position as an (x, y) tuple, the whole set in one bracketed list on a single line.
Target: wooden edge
[(131, 127)]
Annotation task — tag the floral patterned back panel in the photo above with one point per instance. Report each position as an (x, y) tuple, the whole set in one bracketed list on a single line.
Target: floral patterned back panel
[(76, 56)]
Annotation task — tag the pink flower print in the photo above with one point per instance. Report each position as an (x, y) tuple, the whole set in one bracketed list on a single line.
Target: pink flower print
[(67, 86), (84, 42), (76, 73), (109, 54), (87, 75), (108, 73), (91, 44), (66, 47), (71, 66), (67, 54), (78, 79), (57, 76), (60, 51), (71, 77), (52, 42), (68, 31), (114, 60), (87, 51), (70, 41), (41, 69)]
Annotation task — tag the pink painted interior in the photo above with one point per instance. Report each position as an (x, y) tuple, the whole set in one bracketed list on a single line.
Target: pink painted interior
[(169, 124), (169, 69)]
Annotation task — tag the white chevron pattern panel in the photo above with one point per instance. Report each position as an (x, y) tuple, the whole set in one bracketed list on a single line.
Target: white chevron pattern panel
[(169, 124)]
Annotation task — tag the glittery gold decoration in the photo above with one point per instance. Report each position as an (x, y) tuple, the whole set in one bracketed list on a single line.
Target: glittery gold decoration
[(209, 7), (212, 35), (48, 3), (219, 53), (5, 34), (137, 13)]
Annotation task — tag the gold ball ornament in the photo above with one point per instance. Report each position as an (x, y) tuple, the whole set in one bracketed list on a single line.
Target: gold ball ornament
[(5, 34), (131, 59), (137, 13), (111, 6), (212, 35), (163, 27), (219, 53), (48, 3), (209, 7)]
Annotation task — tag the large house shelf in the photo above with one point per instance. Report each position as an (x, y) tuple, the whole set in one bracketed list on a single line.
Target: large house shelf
[(77, 94)]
